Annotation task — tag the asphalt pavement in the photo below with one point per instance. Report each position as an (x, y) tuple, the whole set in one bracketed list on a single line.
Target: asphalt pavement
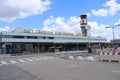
[(53, 67), (13, 72), (63, 69)]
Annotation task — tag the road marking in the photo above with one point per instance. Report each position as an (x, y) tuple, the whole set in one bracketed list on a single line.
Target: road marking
[(29, 60), (13, 62), (44, 58), (47, 58), (4, 63), (0, 64), (37, 59), (50, 57), (21, 60), (115, 71)]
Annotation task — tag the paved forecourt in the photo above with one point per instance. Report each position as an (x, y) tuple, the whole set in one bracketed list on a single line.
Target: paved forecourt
[(13, 72), (64, 69)]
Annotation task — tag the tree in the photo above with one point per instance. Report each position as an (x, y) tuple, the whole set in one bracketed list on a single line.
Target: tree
[(18, 48), (42, 49), (36, 48)]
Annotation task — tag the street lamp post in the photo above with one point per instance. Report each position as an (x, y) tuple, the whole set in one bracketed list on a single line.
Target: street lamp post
[(112, 34), (89, 45), (100, 44), (89, 41), (113, 27), (38, 45)]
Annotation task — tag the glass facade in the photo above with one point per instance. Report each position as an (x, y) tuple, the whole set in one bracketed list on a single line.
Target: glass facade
[(38, 42), (37, 37)]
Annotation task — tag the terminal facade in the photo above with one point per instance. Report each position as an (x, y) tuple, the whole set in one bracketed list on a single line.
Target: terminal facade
[(23, 41), (44, 41)]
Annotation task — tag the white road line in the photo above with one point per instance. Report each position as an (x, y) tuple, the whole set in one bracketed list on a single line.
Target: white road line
[(4, 63), (115, 71), (43, 58), (29, 60), (0, 64), (13, 62), (47, 58), (52, 58), (37, 59), (21, 60)]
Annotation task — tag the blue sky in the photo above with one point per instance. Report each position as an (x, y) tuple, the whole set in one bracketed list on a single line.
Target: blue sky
[(60, 15)]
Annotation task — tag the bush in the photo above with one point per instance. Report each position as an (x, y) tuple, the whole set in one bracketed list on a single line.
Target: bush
[(19, 49)]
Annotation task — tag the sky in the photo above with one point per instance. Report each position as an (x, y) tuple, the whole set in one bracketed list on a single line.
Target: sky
[(61, 15)]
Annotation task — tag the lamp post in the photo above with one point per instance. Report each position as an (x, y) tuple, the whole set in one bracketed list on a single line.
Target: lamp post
[(38, 45), (100, 44), (89, 41), (113, 27), (89, 45)]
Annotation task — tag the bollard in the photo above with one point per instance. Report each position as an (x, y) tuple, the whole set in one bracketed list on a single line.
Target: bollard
[(79, 58), (70, 57), (90, 58)]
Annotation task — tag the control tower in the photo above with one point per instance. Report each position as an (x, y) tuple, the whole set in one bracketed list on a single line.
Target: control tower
[(84, 24)]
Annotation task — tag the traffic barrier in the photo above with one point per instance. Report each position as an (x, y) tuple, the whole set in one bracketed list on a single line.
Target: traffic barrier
[(113, 56), (94, 51), (108, 53), (118, 53)]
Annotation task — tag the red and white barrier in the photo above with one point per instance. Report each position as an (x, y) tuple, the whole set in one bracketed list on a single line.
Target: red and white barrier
[(113, 56), (94, 51), (109, 53)]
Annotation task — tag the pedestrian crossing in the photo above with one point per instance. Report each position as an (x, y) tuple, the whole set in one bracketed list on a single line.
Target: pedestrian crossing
[(13, 62), (4, 63), (25, 60), (21, 60)]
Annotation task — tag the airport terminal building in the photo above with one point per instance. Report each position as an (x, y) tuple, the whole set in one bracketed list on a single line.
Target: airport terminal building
[(44, 41)]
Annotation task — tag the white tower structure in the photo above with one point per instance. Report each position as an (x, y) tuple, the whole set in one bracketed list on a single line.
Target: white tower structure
[(84, 24)]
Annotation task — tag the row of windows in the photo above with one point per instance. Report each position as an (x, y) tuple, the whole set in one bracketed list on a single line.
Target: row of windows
[(69, 38), (26, 37), (56, 38)]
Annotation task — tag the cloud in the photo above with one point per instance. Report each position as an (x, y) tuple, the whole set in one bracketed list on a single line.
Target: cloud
[(61, 24), (111, 7), (13, 9), (88, 14), (118, 22), (117, 30), (100, 12), (6, 28), (100, 30)]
